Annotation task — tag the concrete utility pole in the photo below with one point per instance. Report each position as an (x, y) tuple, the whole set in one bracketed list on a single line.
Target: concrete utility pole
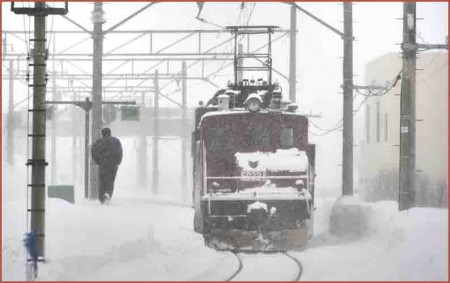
[(407, 170), (98, 20), (347, 136), (10, 121), (347, 154), (240, 63), (74, 146), (37, 161), (141, 157), (292, 56), (54, 131), (155, 181), (407, 176), (185, 134)]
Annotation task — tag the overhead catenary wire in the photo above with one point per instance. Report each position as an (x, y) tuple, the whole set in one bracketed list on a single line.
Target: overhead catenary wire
[(251, 13), (334, 128), (240, 14), (391, 85), (339, 124), (223, 64), (243, 6)]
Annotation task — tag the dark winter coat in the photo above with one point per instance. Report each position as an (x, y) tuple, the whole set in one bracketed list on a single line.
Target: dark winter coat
[(107, 152)]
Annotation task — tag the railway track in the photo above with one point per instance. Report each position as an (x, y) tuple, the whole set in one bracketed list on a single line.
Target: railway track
[(240, 267), (238, 270)]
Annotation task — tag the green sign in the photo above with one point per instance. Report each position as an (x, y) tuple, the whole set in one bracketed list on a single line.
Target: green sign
[(130, 113), (65, 192)]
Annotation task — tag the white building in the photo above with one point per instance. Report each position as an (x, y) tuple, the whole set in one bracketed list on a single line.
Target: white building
[(377, 130)]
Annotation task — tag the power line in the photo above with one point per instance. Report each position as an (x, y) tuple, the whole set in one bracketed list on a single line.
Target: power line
[(251, 12), (339, 124), (391, 85)]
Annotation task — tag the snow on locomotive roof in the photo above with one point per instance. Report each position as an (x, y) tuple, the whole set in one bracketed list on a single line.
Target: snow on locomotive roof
[(292, 160)]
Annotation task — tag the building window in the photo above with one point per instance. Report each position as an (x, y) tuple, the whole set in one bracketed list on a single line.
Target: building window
[(368, 123), (386, 129), (378, 121)]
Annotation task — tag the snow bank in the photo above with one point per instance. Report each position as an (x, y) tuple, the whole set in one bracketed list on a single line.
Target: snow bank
[(140, 239), (406, 246)]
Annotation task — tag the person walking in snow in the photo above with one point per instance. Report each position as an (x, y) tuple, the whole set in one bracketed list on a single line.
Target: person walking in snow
[(107, 154)]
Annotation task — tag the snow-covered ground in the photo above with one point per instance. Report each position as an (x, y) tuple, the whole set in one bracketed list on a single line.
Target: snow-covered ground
[(140, 238)]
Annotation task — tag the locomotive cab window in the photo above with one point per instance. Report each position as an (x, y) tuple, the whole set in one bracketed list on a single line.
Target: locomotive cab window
[(257, 136), (217, 140), (287, 137)]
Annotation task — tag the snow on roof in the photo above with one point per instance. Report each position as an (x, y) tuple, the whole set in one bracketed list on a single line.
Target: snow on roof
[(292, 160)]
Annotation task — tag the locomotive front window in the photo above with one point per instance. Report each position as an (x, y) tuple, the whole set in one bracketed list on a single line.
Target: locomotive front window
[(287, 137), (257, 137), (217, 140)]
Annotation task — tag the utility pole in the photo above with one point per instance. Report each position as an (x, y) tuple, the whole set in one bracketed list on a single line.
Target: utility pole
[(141, 157), (407, 161), (36, 234), (75, 153), (347, 154), (10, 121), (37, 160), (185, 135), (407, 168), (240, 63), (347, 86), (292, 56), (98, 20), (155, 181), (54, 132)]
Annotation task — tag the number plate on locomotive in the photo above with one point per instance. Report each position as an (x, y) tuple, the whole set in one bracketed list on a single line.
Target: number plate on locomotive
[(253, 175)]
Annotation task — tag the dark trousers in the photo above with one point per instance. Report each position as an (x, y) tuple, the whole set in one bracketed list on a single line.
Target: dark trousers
[(107, 176)]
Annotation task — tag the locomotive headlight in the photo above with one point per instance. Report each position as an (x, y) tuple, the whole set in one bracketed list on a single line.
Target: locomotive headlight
[(254, 105), (253, 102)]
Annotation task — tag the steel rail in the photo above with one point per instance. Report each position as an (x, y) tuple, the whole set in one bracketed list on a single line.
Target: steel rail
[(299, 264), (238, 269)]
